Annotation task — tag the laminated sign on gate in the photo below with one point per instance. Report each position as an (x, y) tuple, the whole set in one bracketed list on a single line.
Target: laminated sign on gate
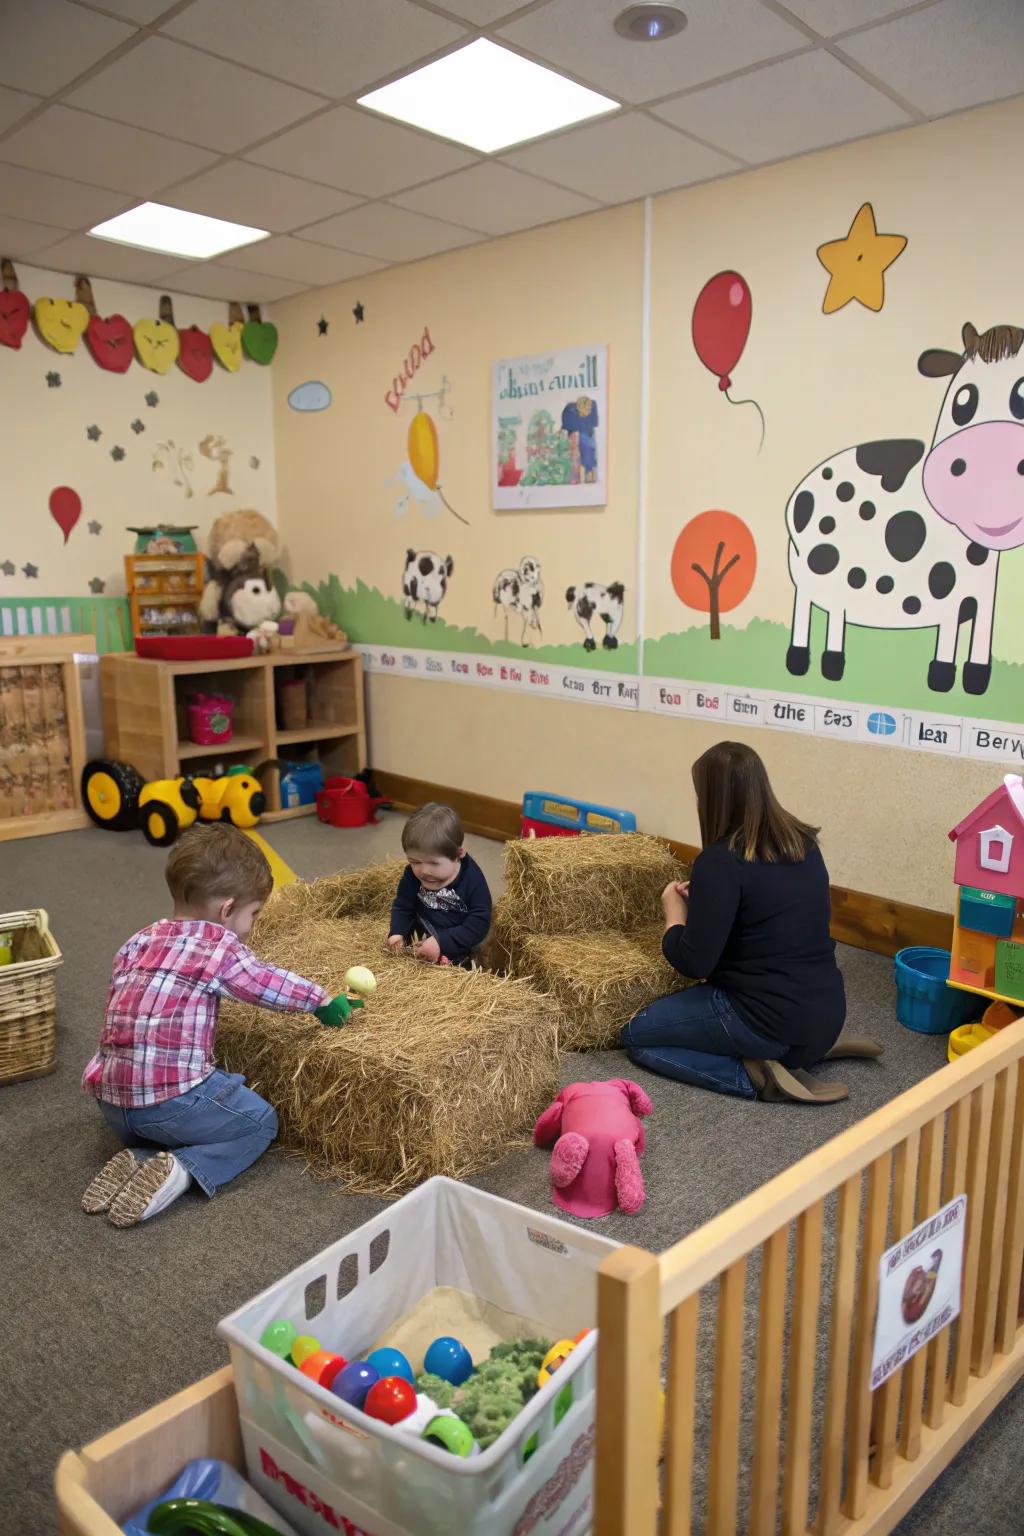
[(919, 1280)]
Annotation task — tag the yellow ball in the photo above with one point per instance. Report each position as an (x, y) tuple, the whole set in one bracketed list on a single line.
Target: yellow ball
[(359, 978)]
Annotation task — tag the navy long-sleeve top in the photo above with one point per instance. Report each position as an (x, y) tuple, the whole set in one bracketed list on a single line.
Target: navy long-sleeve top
[(457, 916), (761, 933)]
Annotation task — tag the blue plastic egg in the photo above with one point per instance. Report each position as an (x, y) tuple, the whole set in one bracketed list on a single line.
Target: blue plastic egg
[(353, 1383), (391, 1362), (450, 1359)]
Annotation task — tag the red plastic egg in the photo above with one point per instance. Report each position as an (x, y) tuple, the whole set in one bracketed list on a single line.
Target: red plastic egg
[(322, 1366), (391, 1400)]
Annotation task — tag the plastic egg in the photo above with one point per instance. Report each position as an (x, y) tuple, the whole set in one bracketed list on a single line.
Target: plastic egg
[(354, 1381), (391, 1362), (302, 1347), (556, 1356), (359, 978), (450, 1359), (391, 1399), (322, 1366), (452, 1433), (278, 1338)]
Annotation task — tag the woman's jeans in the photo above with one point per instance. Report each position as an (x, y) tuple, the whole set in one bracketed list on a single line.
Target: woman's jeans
[(696, 1036), (215, 1130)]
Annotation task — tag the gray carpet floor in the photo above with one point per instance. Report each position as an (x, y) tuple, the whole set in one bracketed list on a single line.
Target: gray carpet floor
[(96, 1325)]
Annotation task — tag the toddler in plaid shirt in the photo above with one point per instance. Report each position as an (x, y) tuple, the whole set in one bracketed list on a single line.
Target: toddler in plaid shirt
[(153, 1074)]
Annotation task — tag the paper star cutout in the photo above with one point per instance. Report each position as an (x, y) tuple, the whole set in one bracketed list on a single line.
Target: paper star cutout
[(855, 265), (359, 313), (117, 454), (93, 434), (7, 567), (138, 426), (53, 381), (97, 584), (254, 462), (94, 526), (152, 398), (322, 325), (31, 571)]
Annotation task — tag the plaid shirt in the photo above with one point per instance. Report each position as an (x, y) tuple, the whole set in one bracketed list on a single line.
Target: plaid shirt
[(157, 1037)]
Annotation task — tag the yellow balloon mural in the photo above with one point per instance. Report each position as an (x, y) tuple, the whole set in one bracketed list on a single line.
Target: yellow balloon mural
[(425, 456)]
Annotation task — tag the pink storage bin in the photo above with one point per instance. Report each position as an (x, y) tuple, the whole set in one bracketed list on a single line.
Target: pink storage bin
[(209, 719)]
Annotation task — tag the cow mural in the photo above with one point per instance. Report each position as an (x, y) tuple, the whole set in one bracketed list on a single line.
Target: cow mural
[(425, 580), (887, 536), (606, 603), (521, 592)]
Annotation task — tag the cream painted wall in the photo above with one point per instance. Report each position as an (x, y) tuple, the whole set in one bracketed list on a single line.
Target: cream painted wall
[(43, 433)]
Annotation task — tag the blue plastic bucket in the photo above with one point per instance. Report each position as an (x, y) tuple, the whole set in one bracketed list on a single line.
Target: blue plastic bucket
[(923, 1001)]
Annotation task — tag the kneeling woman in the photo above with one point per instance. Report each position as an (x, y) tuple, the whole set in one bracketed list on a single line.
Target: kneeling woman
[(752, 925)]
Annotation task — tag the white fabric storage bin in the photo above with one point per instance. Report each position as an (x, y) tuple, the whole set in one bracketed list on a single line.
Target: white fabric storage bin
[(327, 1466)]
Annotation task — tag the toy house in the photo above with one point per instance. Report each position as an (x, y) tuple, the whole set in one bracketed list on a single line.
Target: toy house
[(988, 927)]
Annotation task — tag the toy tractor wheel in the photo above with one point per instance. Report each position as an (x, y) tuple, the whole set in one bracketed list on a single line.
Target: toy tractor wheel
[(110, 794), (159, 823)]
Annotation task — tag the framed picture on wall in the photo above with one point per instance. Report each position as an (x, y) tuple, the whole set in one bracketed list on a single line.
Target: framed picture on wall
[(549, 430)]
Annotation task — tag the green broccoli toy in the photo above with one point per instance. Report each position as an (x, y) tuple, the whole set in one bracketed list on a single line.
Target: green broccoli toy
[(499, 1387), (436, 1388)]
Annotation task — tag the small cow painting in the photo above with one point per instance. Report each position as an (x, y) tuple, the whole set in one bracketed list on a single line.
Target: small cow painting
[(425, 580), (520, 592), (591, 601), (887, 535)]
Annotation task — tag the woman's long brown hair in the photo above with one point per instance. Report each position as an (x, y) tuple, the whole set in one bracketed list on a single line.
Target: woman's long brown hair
[(736, 805)]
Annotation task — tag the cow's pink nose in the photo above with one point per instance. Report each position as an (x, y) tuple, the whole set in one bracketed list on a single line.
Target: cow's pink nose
[(975, 479)]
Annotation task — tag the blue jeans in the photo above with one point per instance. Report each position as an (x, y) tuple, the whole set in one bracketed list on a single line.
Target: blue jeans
[(696, 1036), (215, 1130)]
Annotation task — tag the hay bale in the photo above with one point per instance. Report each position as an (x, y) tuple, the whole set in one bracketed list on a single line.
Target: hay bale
[(443, 1071), (597, 980), (588, 884), (367, 892)]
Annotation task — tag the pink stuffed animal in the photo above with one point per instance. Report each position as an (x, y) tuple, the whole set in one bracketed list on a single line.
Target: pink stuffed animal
[(595, 1163)]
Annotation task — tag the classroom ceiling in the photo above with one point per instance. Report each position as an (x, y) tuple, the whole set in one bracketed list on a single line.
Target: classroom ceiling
[(245, 109)]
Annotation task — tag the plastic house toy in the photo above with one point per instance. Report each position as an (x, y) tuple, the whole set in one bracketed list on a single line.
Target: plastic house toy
[(988, 929)]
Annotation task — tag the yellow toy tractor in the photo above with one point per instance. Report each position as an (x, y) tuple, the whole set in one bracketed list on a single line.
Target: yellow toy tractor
[(116, 797)]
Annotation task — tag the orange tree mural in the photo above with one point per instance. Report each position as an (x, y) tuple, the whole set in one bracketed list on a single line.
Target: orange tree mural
[(714, 563)]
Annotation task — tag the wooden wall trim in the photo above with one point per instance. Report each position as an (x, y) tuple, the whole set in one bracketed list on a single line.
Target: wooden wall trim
[(858, 918)]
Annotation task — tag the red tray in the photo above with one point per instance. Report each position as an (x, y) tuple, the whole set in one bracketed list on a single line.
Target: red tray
[(193, 647)]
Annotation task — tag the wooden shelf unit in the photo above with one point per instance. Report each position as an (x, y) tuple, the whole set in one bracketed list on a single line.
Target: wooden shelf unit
[(145, 715), (41, 767)]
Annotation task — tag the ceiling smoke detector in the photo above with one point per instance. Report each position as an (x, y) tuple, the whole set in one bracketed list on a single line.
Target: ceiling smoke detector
[(650, 23)]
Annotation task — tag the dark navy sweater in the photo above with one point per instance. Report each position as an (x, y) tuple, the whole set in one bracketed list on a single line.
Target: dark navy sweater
[(761, 933), (458, 916)]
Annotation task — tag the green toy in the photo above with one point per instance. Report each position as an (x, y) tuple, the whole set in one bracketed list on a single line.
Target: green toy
[(199, 1517), (499, 1387), (436, 1388), (336, 1012)]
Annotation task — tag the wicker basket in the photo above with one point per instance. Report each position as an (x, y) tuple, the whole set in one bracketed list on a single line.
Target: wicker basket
[(28, 997)]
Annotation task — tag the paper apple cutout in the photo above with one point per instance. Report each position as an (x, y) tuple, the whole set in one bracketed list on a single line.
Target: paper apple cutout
[(156, 345), (14, 317), (196, 355), (110, 342), (60, 323), (259, 339), (226, 341)]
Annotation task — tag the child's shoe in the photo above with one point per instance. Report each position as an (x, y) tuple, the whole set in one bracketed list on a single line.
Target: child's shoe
[(155, 1186), (110, 1181)]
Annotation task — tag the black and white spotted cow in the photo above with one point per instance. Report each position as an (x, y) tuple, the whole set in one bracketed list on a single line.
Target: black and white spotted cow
[(606, 603), (887, 536), (425, 580), (521, 592)]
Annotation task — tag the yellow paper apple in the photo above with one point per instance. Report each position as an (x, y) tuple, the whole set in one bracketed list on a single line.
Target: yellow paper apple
[(156, 344), (227, 345), (60, 322)]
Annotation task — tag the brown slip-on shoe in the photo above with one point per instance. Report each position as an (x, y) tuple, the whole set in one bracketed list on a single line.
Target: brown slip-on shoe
[(776, 1084), (130, 1205), (110, 1181), (863, 1047)]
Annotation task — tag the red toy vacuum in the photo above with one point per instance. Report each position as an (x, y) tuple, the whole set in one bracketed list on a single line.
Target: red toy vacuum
[(347, 803)]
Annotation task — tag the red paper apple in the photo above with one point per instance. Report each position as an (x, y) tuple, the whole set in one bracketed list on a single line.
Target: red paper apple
[(110, 342), (14, 315), (196, 355)]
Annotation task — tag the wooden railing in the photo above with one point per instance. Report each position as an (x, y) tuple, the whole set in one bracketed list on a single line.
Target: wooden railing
[(771, 1423)]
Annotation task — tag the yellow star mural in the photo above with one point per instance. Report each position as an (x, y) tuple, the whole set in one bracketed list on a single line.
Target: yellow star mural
[(856, 265)]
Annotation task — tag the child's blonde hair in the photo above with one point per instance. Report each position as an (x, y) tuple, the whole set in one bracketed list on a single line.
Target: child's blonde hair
[(215, 863), (435, 829)]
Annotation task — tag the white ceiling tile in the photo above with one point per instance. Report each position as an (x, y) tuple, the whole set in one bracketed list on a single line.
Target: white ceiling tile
[(954, 54), (168, 88), (360, 153), (300, 261), (19, 238), (208, 280), (496, 199), (784, 109), (720, 36), (831, 16), (250, 194), (482, 13), (52, 200), (101, 258), (107, 154), (14, 104), (394, 234), (624, 158), (333, 46), (50, 42)]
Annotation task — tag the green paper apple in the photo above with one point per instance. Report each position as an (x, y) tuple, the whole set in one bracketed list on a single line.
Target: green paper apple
[(259, 339)]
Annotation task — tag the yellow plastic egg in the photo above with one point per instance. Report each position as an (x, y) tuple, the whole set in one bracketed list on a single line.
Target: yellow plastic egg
[(359, 978)]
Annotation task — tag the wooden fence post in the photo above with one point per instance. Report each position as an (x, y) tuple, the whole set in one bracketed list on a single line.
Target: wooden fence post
[(629, 1324)]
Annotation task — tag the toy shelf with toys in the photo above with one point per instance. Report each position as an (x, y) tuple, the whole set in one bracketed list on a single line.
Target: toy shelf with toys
[(146, 706), (988, 926)]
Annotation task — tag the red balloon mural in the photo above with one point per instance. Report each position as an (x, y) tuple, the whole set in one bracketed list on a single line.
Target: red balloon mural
[(720, 327), (65, 508)]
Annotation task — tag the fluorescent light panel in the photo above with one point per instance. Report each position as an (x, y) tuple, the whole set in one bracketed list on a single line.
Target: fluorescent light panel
[(487, 97), (155, 227)]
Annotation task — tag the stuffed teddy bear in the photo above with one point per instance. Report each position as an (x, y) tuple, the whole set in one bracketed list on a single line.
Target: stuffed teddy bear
[(598, 1143), (239, 544)]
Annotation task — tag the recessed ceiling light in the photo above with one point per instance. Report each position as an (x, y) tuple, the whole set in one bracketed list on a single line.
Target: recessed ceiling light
[(487, 97), (650, 23), (154, 227)]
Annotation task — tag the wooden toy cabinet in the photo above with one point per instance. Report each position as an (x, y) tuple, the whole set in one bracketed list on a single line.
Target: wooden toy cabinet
[(164, 593), (145, 715), (42, 734)]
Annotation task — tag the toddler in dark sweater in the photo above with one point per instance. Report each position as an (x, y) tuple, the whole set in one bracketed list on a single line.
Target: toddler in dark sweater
[(442, 904)]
